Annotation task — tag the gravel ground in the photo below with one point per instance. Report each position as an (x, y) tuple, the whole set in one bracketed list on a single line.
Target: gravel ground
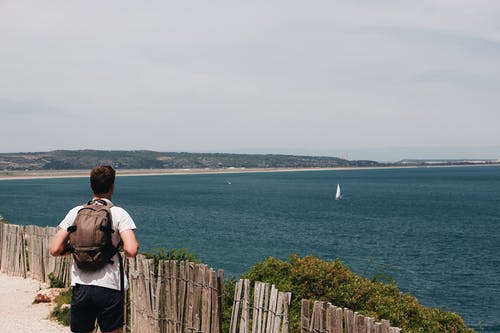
[(18, 314)]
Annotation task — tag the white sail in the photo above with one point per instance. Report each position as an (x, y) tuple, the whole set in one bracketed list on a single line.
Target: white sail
[(338, 195)]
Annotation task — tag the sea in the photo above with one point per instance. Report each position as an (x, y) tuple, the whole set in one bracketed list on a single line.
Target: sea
[(434, 230)]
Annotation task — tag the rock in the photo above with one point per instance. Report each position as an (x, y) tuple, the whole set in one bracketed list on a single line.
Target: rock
[(48, 295), (41, 298)]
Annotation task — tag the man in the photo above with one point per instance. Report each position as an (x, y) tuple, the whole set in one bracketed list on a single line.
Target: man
[(97, 294)]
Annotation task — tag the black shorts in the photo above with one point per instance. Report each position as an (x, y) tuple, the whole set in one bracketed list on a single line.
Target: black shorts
[(89, 303)]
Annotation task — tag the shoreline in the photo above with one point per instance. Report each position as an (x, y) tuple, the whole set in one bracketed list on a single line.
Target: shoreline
[(55, 174)]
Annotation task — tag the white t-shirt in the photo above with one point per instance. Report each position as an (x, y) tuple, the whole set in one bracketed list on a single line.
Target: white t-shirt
[(109, 275)]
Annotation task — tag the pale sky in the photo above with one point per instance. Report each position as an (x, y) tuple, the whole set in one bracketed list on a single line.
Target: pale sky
[(358, 79)]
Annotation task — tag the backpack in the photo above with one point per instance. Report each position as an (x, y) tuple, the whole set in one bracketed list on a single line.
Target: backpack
[(92, 240)]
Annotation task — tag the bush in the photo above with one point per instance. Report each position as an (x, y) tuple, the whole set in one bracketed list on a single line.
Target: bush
[(62, 312), (55, 282), (331, 281), (173, 254)]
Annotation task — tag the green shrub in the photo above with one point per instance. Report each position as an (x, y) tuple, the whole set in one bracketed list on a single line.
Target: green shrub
[(62, 313), (172, 254), (55, 282), (312, 278)]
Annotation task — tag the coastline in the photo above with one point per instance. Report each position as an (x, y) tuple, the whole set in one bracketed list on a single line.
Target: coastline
[(49, 174), (52, 174)]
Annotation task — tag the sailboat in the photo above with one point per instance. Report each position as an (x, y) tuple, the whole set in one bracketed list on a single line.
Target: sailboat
[(338, 195)]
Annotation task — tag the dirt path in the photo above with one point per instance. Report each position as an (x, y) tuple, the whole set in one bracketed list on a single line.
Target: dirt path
[(18, 314)]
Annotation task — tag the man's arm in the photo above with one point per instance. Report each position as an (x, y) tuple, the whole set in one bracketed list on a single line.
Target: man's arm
[(130, 244), (59, 242)]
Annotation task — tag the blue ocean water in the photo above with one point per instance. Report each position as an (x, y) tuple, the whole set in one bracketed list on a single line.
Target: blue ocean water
[(434, 230)]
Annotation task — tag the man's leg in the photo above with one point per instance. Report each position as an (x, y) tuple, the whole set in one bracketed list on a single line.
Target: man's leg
[(83, 313), (110, 315)]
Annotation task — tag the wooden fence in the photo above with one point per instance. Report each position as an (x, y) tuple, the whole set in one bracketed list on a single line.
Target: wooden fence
[(168, 297), (41, 263), (327, 318), (269, 309), (25, 253), (174, 297), (183, 297), (13, 256)]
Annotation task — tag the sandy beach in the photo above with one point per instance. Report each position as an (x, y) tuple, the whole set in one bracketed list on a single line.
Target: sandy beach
[(41, 174), (19, 314), (46, 174)]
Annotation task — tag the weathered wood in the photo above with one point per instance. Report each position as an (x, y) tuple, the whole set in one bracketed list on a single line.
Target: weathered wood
[(220, 287), (150, 285), (349, 320), (206, 302), (181, 297), (215, 328), (199, 271), (155, 284), (304, 316), (265, 308), (385, 326), (261, 307), (168, 299), (174, 276), (273, 299), (359, 323), (278, 313), (6, 248), (338, 322), (189, 326), (370, 325), (236, 306), (270, 309), (132, 278), (13, 250), (317, 316), (321, 316), (141, 299), (245, 307), (177, 298), (255, 308), (287, 298), (147, 305), (329, 318), (157, 301), (196, 321)]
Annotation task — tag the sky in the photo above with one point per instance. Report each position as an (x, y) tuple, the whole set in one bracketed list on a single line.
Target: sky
[(381, 80)]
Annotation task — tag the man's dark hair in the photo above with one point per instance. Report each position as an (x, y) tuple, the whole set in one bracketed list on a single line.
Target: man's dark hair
[(101, 179)]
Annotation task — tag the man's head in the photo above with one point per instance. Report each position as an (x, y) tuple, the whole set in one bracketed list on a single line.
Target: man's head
[(102, 179)]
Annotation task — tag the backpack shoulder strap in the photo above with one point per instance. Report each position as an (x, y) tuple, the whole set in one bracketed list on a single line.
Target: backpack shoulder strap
[(102, 202)]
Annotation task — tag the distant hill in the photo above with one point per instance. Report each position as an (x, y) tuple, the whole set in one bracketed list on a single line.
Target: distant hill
[(423, 162), (145, 159)]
